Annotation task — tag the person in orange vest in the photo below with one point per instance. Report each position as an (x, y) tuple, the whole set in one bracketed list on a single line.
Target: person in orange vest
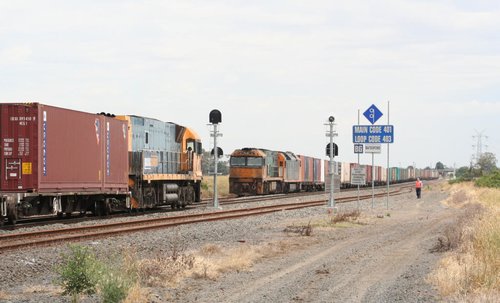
[(418, 187)]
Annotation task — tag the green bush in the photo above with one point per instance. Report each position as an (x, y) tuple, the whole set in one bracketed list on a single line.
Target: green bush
[(491, 180), (460, 180), (82, 273), (77, 272)]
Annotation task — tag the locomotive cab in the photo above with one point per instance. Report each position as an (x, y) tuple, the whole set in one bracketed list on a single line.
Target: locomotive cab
[(255, 172)]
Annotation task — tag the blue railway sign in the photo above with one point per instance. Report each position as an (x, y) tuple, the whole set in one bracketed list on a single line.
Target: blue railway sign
[(363, 134), (372, 114)]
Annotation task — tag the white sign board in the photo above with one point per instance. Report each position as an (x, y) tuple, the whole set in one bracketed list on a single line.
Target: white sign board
[(373, 148), (358, 175)]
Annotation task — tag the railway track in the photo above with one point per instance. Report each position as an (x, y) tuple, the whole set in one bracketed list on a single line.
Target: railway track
[(64, 235), (238, 200), (48, 220)]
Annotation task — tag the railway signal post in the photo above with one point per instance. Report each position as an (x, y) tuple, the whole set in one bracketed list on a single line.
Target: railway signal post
[(331, 151), (215, 118)]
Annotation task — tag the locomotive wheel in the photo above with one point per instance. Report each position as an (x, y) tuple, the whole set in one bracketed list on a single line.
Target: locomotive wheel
[(97, 209), (12, 215)]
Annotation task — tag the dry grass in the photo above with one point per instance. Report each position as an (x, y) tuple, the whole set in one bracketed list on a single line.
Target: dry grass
[(345, 216), (169, 268), (341, 219), (471, 270), (459, 232), (303, 230), (209, 262), (207, 186), (235, 259), (164, 269), (137, 294)]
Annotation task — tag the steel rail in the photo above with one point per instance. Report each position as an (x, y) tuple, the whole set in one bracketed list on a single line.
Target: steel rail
[(39, 238)]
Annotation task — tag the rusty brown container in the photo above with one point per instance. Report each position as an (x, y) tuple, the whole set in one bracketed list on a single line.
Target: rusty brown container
[(48, 149)]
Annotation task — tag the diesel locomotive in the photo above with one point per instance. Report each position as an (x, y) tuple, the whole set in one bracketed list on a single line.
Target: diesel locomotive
[(257, 171)]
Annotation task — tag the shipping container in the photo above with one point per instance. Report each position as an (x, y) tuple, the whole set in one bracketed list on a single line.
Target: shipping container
[(305, 169), (51, 149), (383, 178), (311, 173), (369, 174), (292, 162), (318, 172), (345, 175), (56, 160)]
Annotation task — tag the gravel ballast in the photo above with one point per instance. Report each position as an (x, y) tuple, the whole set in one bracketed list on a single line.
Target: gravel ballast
[(385, 257)]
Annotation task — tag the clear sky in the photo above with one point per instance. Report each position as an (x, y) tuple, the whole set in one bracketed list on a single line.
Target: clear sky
[(275, 69)]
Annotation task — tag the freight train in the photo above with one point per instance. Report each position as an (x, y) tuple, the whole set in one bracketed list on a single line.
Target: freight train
[(258, 171), (379, 174), (57, 161)]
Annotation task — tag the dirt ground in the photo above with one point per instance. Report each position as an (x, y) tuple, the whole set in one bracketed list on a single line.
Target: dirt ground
[(384, 258)]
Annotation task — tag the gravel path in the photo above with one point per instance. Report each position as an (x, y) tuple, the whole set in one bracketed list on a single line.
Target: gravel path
[(385, 259)]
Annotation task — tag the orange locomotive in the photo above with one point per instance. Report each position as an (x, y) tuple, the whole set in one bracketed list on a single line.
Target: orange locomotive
[(256, 171), (164, 163)]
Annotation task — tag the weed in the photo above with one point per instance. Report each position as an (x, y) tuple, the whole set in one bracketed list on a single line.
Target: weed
[(210, 249), (113, 287), (303, 230), (77, 272), (345, 216), (166, 267)]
